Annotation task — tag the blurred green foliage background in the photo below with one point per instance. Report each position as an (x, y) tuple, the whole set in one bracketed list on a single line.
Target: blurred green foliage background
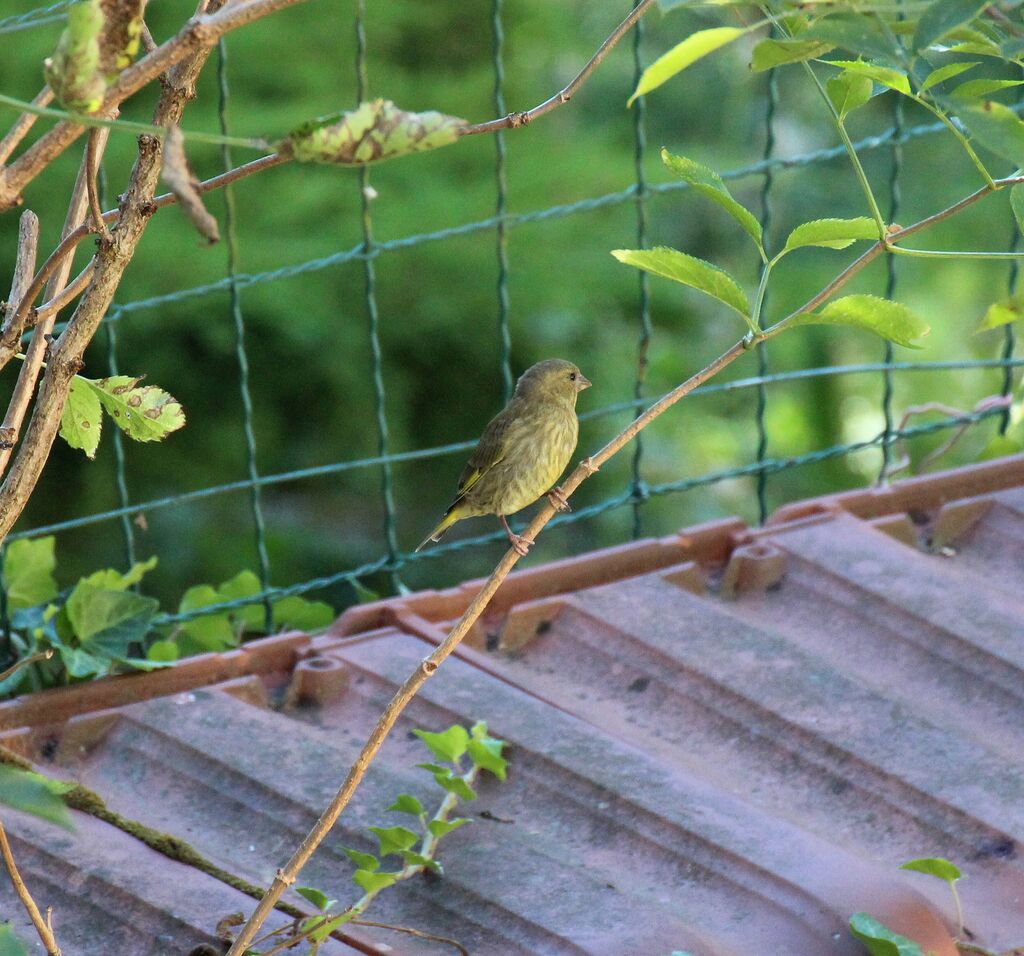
[(306, 336)]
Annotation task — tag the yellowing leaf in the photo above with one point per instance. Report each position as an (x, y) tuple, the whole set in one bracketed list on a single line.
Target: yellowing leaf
[(1002, 313), (695, 47), (143, 412), (81, 422)]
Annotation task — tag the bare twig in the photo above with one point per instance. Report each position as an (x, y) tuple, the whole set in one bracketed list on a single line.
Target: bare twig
[(92, 172), (42, 927), (71, 291), (25, 263), (25, 661), (413, 932), (515, 120), (22, 125)]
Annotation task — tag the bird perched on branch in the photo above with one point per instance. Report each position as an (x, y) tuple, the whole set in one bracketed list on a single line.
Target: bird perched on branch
[(523, 451)]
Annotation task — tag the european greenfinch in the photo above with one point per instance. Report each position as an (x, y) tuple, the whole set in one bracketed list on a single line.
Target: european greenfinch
[(523, 451)]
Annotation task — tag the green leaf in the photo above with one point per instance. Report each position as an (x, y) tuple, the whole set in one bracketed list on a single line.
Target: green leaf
[(371, 133), (450, 745), (242, 585), (848, 92), (894, 79), (707, 182), (879, 939), (404, 803), (33, 793), (363, 594), (978, 48), (890, 320), (456, 785), (394, 839), (832, 233), (946, 72), (997, 128), (486, 754), (934, 866), (975, 89), (695, 47), (1002, 313), (858, 34), (696, 273), (298, 613), (372, 882), (107, 622), (316, 897), (10, 943), (79, 663), (771, 53), (942, 17), (142, 412), (365, 861), (29, 564), (81, 422), (417, 859), (209, 633), (113, 580), (163, 652), (441, 828), (319, 935)]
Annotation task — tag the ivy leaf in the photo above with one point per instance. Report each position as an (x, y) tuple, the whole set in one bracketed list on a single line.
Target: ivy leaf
[(365, 861), (485, 752), (163, 652), (371, 133), (372, 882), (997, 128), (316, 897), (707, 182), (107, 622), (300, 614), (890, 320), (848, 92), (946, 72), (934, 866), (450, 745), (394, 839), (943, 16), (143, 412), (879, 939), (441, 828), (1002, 313), (894, 79), (405, 803), (242, 585), (690, 271), (695, 47), (417, 859), (79, 663), (320, 934), (975, 89), (209, 633), (455, 784), (771, 53), (28, 572), (33, 793), (81, 422), (113, 580), (831, 233)]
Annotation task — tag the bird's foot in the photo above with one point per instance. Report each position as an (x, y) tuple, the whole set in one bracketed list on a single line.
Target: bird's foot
[(558, 500), (589, 466), (520, 543)]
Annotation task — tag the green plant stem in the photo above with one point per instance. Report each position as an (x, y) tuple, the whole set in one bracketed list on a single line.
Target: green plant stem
[(959, 908), (761, 287), (952, 254), (940, 114)]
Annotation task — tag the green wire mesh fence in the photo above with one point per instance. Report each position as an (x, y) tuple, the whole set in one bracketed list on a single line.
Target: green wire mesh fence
[(392, 559)]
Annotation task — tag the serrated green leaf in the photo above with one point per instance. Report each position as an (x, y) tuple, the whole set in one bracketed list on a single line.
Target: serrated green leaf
[(934, 866), (365, 861), (163, 652), (406, 803), (832, 233), (848, 92), (371, 133), (33, 793), (942, 17), (372, 882), (946, 72), (441, 828), (879, 939), (300, 614), (975, 89), (1002, 313), (394, 839), (29, 564), (113, 580), (142, 412), (708, 183), (997, 128), (417, 859), (695, 47), (317, 897), (690, 271), (770, 53), (888, 319), (10, 943), (107, 622), (81, 422), (894, 79), (449, 745), (485, 752)]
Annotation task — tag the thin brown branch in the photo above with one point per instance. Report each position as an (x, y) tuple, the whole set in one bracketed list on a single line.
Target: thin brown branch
[(24, 265), (92, 172), (71, 291), (22, 125), (42, 927), (515, 120), (420, 934)]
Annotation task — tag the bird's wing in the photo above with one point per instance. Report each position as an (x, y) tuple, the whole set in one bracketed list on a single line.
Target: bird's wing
[(491, 449)]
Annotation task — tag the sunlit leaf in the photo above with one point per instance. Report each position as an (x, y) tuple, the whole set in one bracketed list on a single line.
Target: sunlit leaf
[(405, 803), (890, 320), (943, 16), (81, 422), (372, 882), (832, 233), (163, 652), (418, 859), (485, 752), (441, 828), (317, 897), (449, 745), (301, 614), (770, 53), (946, 72), (365, 861), (934, 866), (883, 75), (393, 839), (1002, 313), (975, 89), (879, 939), (29, 564), (848, 91), (143, 412), (689, 51), (116, 581)]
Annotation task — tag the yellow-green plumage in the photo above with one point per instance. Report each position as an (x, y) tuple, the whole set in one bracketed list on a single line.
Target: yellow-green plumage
[(524, 449)]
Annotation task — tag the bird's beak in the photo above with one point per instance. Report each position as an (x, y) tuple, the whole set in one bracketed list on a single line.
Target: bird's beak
[(582, 382)]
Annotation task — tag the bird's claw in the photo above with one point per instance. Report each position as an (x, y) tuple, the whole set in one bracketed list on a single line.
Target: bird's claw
[(558, 500), (520, 544)]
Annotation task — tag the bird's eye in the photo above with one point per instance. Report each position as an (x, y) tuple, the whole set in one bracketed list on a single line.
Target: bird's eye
[(572, 376)]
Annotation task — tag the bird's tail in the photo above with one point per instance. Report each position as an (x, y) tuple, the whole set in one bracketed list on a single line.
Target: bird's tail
[(442, 526)]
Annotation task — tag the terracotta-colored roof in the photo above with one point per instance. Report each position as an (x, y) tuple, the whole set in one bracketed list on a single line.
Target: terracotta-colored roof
[(723, 742)]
